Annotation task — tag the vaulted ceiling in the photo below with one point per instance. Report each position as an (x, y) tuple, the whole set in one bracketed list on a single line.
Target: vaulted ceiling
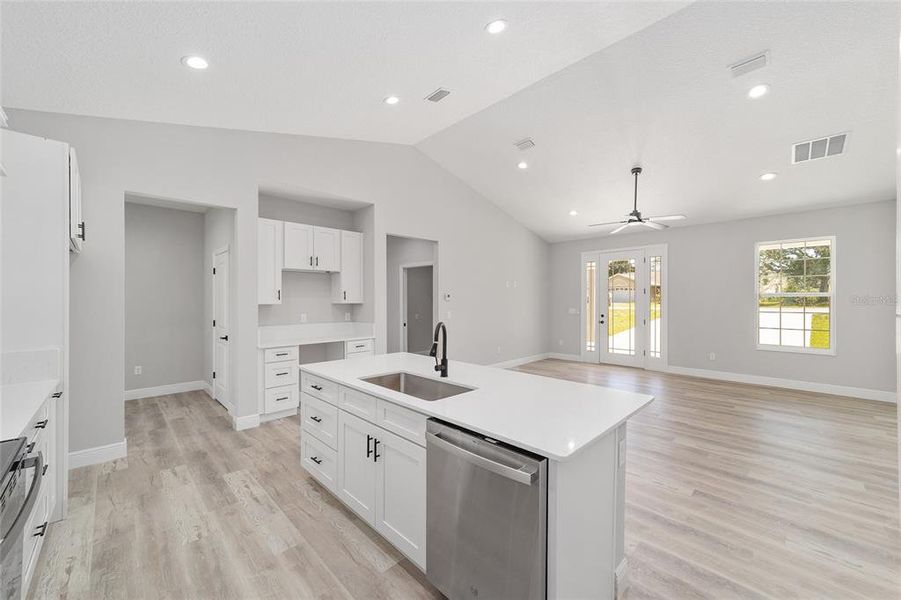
[(599, 86)]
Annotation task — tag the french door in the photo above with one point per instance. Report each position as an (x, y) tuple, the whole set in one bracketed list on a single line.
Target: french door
[(622, 312)]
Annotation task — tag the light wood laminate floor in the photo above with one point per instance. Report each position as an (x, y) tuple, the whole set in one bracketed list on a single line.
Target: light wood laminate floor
[(733, 491)]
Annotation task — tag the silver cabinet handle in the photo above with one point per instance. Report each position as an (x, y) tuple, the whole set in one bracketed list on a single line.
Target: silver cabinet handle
[(480, 461)]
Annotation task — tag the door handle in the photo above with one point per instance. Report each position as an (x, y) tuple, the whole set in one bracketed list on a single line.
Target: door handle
[(311, 261), (375, 450), (42, 529), (345, 295), (224, 337), (317, 261), (369, 439), (316, 460), (519, 475), (314, 417)]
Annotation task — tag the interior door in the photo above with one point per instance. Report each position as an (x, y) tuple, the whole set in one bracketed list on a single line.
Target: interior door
[(221, 327), (616, 307), (356, 467), (327, 246)]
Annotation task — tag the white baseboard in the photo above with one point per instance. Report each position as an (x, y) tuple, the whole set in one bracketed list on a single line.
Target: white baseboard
[(562, 356), (246, 422), (98, 454), (621, 579), (279, 415), (791, 384), (515, 362), (162, 390), (208, 388)]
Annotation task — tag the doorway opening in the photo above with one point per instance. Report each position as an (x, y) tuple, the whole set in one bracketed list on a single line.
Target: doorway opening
[(624, 312), (179, 291), (412, 281)]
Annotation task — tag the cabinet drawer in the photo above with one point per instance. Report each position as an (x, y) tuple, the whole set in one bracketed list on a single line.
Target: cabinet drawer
[(358, 403), (319, 460), (281, 373), (271, 355), (320, 418), (404, 422), (281, 398), (354, 346), (319, 387)]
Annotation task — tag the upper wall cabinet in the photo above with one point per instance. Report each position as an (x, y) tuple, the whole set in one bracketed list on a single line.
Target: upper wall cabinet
[(312, 248), (270, 239), (347, 286), (76, 220)]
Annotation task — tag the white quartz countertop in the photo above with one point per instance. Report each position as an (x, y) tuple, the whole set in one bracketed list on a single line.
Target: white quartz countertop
[(302, 334), (551, 417), (19, 402)]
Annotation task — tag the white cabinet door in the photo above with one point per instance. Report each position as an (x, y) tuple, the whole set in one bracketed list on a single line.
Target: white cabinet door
[(347, 286), (270, 239), (327, 249), (356, 465), (400, 503), (299, 253)]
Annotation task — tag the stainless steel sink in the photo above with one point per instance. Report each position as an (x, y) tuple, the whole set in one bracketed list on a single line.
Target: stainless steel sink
[(419, 387)]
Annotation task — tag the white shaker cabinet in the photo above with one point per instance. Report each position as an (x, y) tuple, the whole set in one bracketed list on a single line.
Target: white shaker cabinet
[(347, 285), (356, 465), (299, 249), (327, 244), (270, 241), (400, 503), (76, 219), (311, 248)]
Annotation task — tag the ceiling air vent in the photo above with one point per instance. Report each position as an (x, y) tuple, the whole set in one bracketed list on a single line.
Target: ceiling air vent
[(525, 144), (750, 64), (438, 95), (821, 148)]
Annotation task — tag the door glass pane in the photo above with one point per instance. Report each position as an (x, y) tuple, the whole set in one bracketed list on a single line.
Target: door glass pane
[(591, 323), (656, 308), (621, 306)]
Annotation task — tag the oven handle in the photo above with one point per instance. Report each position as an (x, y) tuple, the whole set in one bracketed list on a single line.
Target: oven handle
[(480, 461), (37, 462)]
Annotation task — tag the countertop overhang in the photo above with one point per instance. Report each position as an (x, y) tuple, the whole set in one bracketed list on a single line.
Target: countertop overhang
[(551, 417)]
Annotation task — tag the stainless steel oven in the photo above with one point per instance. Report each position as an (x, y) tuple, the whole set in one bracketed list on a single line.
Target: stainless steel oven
[(486, 515), (19, 490)]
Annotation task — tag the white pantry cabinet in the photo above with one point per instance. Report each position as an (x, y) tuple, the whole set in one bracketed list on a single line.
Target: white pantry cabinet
[(347, 285), (312, 248), (382, 477), (270, 240)]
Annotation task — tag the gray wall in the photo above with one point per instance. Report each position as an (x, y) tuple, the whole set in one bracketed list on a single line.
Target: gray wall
[(400, 250), (420, 306), (480, 244), (712, 302), (163, 296), (218, 232)]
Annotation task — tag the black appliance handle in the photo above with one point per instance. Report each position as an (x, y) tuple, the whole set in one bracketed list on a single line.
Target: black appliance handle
[(37, 462)]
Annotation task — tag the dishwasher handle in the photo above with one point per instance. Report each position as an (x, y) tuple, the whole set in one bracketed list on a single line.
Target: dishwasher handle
[(497, 468)]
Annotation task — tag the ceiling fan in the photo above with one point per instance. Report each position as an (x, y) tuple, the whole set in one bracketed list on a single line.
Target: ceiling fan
[(635, 218)]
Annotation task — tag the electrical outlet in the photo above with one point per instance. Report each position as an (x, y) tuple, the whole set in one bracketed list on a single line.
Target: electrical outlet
[(347, 316), (711, 356), (139, 369), (449, 315), (303, 317)]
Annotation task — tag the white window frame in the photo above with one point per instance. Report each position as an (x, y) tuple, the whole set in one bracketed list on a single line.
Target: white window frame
[(832, 309)]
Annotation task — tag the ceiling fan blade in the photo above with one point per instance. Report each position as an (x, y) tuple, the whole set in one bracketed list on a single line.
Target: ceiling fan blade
[(654, 225), (620, 228), (666, 218), (605, 224)]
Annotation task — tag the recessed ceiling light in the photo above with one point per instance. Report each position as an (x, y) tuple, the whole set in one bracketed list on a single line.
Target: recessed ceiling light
[(392, 100), (195, 62), (758, 91), (523, 165), (573, 213), (495, 27), (768, 177)]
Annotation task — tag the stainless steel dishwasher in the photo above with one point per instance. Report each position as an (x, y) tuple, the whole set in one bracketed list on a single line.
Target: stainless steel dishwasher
[(486, 513)]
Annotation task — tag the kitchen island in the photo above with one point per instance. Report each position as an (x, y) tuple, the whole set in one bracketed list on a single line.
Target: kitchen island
[(579, 428)]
